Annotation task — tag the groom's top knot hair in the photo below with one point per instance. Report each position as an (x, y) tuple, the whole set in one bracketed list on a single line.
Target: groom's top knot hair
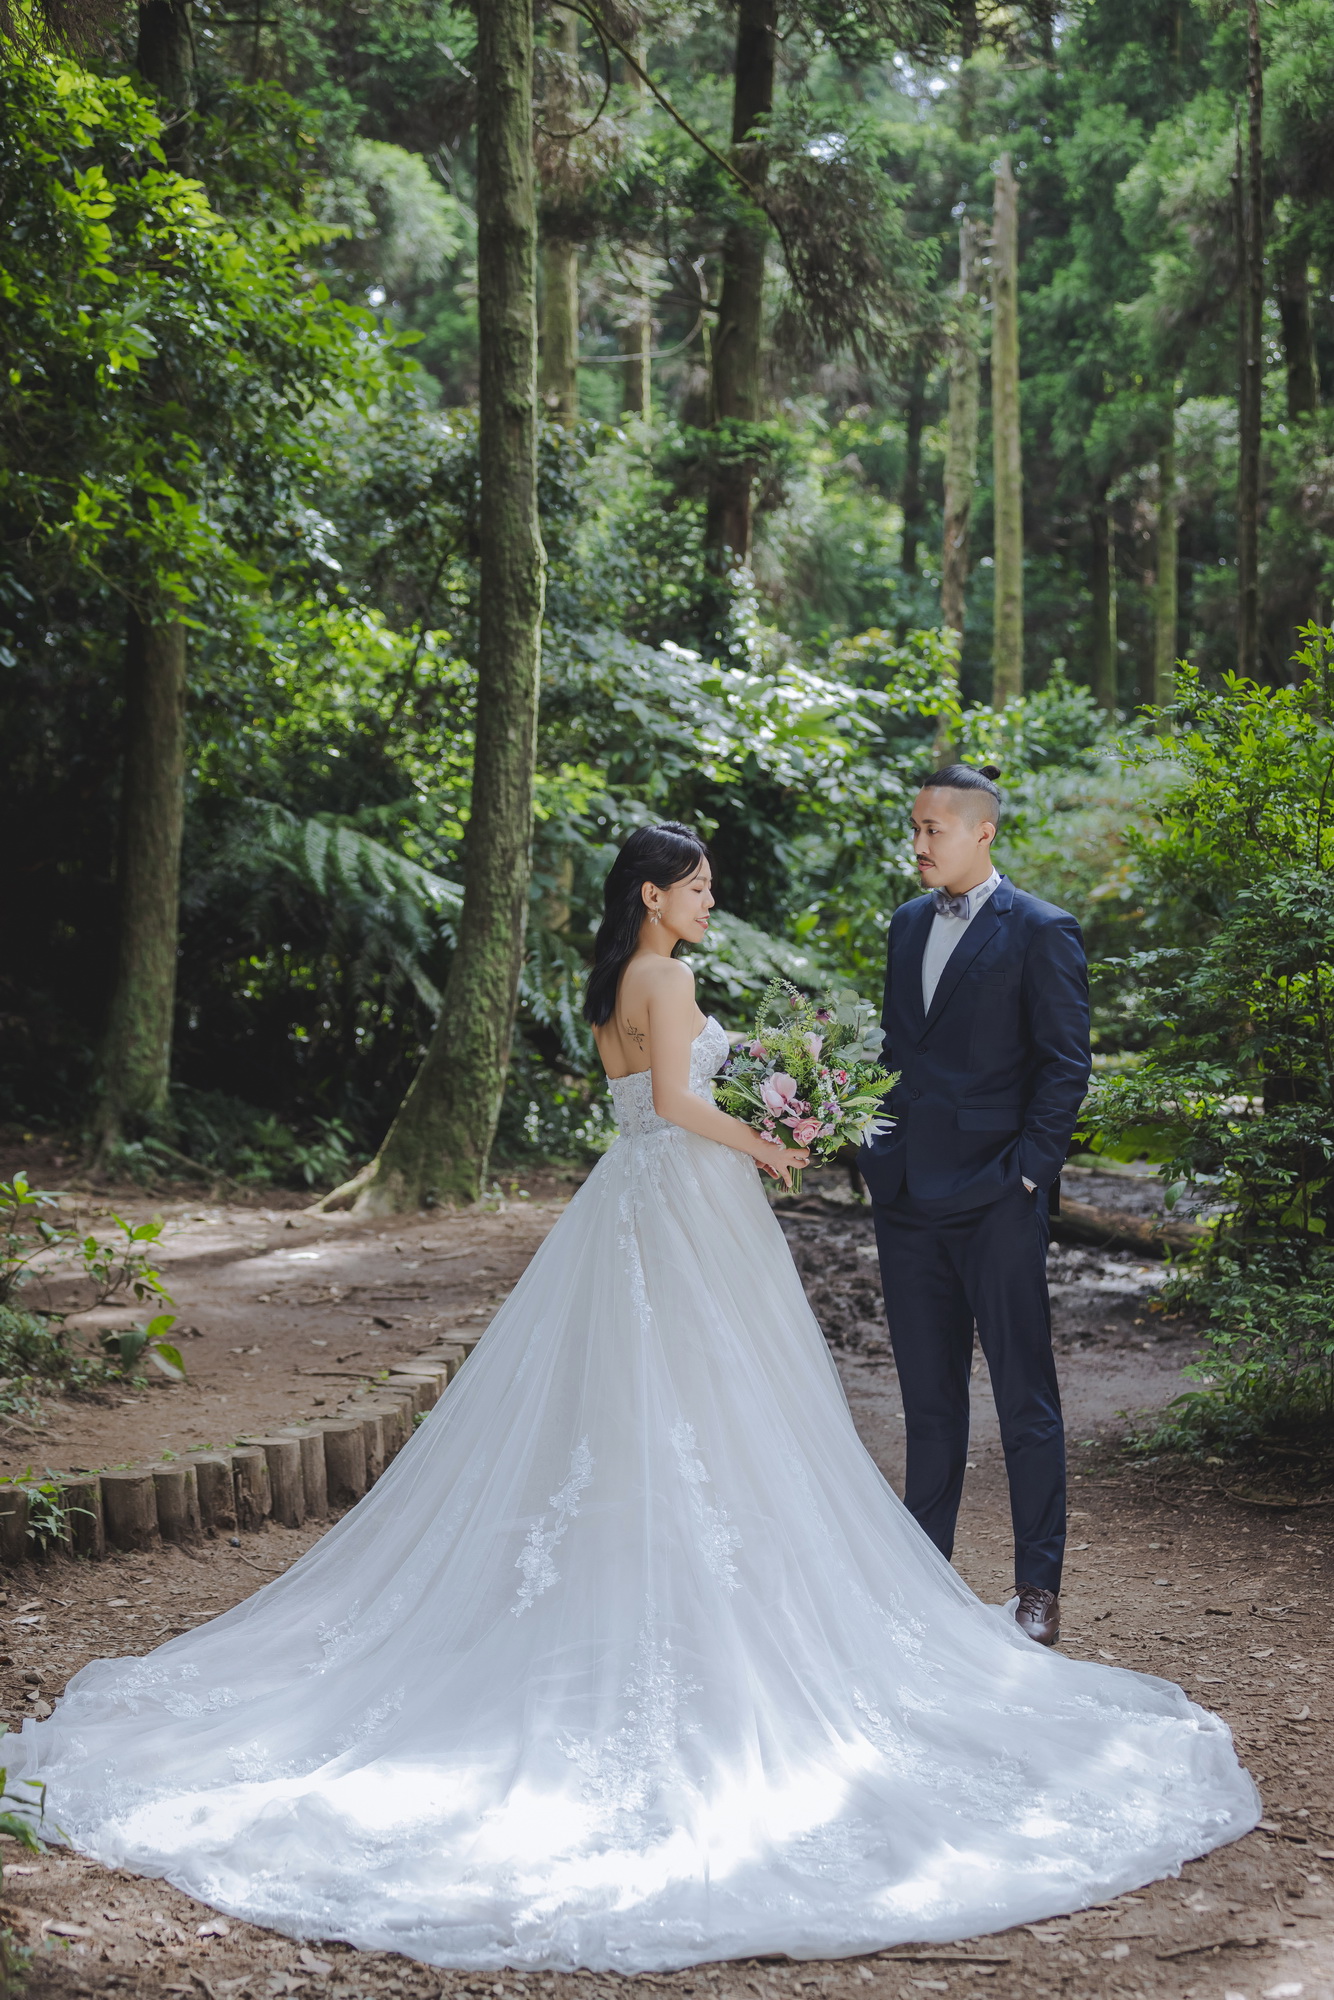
[(980, 781)]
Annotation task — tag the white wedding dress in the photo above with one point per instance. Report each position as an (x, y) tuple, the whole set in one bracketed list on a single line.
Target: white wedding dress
[(633, 1659)]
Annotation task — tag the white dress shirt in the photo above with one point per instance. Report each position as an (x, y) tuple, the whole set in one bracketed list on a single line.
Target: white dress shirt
[(945, 933), (941, 939)]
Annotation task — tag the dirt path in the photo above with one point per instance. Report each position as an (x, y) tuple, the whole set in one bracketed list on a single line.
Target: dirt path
[(1166, 1574)]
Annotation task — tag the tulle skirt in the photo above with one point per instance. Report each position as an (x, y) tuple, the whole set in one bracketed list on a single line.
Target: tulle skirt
[(633, 1659)]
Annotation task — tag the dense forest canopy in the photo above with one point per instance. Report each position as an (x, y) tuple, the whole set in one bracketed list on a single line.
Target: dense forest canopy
[(912, 375)]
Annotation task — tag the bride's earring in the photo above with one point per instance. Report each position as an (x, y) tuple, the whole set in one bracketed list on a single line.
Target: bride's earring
[(654, 917)]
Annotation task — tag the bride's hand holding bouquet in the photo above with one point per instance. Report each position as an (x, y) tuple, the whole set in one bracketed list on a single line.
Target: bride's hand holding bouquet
[(809, 1078)]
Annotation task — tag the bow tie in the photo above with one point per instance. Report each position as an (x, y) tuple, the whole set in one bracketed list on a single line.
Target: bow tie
[(950, 906)]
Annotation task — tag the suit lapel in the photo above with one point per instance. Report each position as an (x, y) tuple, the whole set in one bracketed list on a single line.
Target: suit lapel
[(980, 932), (913, 953)]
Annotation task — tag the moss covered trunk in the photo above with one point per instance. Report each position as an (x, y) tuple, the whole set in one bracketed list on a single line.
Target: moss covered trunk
[(136, 1053), (1008, 641), (1292, 291), (558, 346), (1102, 591), (165, 58), (439, 1145), (1250, 357), (738, 350), (1165, 589), (961, 435), (559, 379)]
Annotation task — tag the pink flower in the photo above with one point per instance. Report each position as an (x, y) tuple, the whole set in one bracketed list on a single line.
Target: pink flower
[(806, 1131), (757, 1049), (814, 1043), (779, 1091), (828, 1131), (840, 1077)]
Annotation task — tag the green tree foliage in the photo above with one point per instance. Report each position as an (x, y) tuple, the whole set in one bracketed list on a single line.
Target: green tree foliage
[(209, 415), (1235, 1091), (161, 362)]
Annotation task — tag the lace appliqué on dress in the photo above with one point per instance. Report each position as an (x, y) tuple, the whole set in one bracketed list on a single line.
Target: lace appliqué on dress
[(534, 1558), (627, 1768), (163, 1685), (718, 1539)]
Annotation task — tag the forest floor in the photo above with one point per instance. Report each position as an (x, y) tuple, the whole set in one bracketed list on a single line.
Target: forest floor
[(1167, 1573)]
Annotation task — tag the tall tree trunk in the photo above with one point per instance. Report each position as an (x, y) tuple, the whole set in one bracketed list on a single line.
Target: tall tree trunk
[(1250, 205), (558, 378), (440, 1142), (165, 58), (1008, 642), (636, 346), (135, 1069), (961, 434), (1102, 584), (1165, 591), (737, 342), (559, 381), (1292, 289), (913, 508), (136, 1054), (637, 333)]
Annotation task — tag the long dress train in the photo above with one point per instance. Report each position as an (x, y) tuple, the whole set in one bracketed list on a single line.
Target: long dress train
[(633, 1658)]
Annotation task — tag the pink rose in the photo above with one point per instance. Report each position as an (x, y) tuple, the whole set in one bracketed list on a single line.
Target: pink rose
[(778, 1091), (757, 1049), (814, 1043), (806, 1131), (840, 1077)]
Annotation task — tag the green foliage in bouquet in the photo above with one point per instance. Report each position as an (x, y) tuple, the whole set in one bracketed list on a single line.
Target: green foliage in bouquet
[(810, 1076)]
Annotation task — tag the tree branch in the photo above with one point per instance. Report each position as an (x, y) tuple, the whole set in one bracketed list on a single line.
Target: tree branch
[(600, 28)]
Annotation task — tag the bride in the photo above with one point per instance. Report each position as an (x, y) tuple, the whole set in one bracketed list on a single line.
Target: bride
[(633, 1659)]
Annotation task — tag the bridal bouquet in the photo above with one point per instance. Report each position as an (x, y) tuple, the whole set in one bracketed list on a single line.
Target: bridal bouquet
[(810, 1076)]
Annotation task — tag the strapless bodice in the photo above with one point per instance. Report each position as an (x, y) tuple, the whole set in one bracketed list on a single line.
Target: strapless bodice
[(633, 1095)]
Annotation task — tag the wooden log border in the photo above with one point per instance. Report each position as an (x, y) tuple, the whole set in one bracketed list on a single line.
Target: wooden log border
[(303, 1470)]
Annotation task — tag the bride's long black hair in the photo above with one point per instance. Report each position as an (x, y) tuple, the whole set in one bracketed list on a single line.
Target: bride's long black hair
[(659, 854)]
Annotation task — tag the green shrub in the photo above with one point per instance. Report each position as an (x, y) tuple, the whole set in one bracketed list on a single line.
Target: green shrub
[(1237, 1004)]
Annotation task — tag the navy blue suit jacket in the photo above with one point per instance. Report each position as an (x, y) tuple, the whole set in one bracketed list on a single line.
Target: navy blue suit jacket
[(993, 1077)]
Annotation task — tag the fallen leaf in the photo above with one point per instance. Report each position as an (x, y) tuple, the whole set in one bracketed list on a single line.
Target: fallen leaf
[(218, 1928), (1117, 1951), (310, 1963), (17, 1868), (67, 1930)]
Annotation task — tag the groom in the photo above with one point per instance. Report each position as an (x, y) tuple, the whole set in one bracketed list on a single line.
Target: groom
[(987, 1017)]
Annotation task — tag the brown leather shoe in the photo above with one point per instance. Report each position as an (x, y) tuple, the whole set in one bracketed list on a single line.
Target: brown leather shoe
[(1038, 1613)]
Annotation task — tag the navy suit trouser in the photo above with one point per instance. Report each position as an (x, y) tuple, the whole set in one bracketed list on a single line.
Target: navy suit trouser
[(941, 1275)]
